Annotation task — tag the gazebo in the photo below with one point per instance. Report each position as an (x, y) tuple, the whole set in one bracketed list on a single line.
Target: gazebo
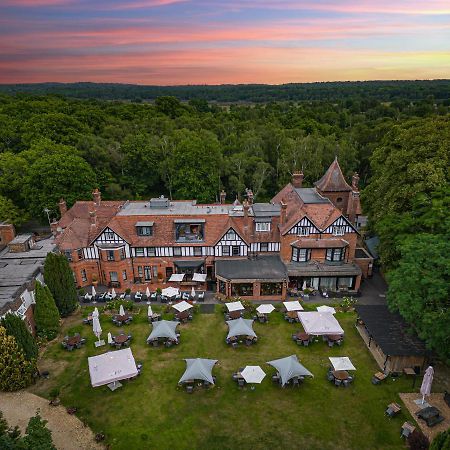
[(198, 369), (240, 327), (163, 329), (289, 367), (319, 324)]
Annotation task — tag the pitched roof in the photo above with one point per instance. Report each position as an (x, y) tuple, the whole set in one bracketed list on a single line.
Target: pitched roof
[(333, 180)]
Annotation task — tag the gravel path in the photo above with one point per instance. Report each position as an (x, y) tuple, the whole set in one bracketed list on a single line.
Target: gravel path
[(68, 432)]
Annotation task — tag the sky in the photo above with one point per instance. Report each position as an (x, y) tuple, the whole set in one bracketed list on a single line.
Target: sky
[(173, 42)]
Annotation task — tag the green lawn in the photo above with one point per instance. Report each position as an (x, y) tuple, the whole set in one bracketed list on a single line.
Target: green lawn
[(153, 412)]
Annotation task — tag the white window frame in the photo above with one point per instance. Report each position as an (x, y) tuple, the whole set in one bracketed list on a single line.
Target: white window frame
[(303, 231), (139, 252), (338, 230), (262, 227)]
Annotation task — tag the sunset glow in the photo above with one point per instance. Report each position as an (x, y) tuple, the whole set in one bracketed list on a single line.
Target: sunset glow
[(199, 42)]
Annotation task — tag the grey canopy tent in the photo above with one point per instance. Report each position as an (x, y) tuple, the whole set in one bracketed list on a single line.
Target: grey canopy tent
[(163, 329), (198, 369), (289, 367), (240, 327)]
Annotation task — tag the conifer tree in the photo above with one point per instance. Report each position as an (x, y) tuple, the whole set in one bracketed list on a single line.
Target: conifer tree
[(46, 313), (15, 371), (59, 279), (16, 327), (38, 436)]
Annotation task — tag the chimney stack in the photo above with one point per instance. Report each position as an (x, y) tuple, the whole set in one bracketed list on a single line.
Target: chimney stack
[(283, 216), (93, 218), (97, 197), (7, 232), (355, 181), (62, 207), (223, 196), (54, 227), (297, 179), (250, 196)]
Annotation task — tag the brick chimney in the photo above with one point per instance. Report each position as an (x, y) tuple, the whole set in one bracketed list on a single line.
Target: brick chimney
[(93, 218), (250, 196), (283, 216), (355, 181), (223, 196), (7, 233), (62, 207), (97, 197), (246, 207), (297, 179)]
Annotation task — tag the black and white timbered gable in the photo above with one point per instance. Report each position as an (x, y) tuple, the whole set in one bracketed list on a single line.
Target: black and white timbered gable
[(231, 244), (109, 238), (340, 227), (304, 228)]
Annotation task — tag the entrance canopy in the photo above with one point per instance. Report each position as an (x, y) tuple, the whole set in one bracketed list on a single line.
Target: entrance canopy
[(198, 369), (176, 277), (240, 327), (163, 329), (182, 306), (293, 306), (234, 306), (111, 367), (290, 367), (319, 324), (201, 277), (265, 309), (170, 291), (341, 363)]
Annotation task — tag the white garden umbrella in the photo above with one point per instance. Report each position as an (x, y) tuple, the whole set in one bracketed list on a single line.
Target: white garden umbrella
[(293, 306), (113, 293), (304, 286), (149, 311), (265, 309), (341, 363), (121, 311), (427, 381), (326, 309), (193, 292), (94, 293), (95, 313), (96, 327), (147, 292), (182, 306), (170, 291), (110, 339), (253, 374), (234, 306)]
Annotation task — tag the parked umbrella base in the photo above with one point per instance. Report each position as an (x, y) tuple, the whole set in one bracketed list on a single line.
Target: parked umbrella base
[(115, 385), (99, 343), (419, 402)]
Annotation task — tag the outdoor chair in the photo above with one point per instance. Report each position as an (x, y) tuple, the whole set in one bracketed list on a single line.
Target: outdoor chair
[(153, 296), (87, 298), (189, 389), (346, 383), (295, 382), (155, 343), (241, 382), (276, 378), (234, 376), (330, 343), (137, 297), (330, 376), (201, 296), (164, 299), (234, 344), (122, 296), (294, 337), (337, 382), (70, 348), (168, 343), (64, 344), (78, 345)]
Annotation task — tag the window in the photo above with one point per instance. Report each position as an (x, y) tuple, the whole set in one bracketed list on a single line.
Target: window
[(242, 289), (83, 275), (335, 254), (151, 251), (264, 247), (109, 235), (303, 231), (271, 288), (147, 273), (124, 275), (110, 255), (338, 231), (301, 254), (68, 254), (140, 272), (231, 236), (113, 277), (222, 287), (177, 251), (197, 251), (235, 250), (155, 271), (144, 231), (80, 253), (139, 251), (262, 226), (187, 232), (225, 250), (339, 200), (122, 253)]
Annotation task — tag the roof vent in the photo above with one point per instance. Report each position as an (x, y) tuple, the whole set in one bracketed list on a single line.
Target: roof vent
[(161, 202)]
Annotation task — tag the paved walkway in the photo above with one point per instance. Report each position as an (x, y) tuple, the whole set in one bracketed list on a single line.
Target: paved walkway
[(68, 432)]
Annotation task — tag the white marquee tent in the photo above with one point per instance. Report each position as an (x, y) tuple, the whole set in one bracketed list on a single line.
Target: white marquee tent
[(318, 324)]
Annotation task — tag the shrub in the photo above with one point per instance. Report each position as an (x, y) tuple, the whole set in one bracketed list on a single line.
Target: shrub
[(46, 314), (15, 371), (128, 291), (441, 441), (81, 292), (418, 441), (114, 305), (347, 303), (38, 436), (16, 327)]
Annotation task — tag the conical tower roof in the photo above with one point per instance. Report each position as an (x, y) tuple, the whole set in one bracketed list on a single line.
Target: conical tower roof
[(333, 180)]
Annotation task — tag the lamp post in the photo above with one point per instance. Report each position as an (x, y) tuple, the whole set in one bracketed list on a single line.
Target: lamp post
[(46, 210)]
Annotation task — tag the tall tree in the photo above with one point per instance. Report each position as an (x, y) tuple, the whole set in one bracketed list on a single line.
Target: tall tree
[(38, 436), (46, 313), (15, 371), (16, 327), (59, 279), (10, 213)]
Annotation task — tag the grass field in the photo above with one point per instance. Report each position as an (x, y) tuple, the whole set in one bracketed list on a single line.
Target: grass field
[(153, 412)]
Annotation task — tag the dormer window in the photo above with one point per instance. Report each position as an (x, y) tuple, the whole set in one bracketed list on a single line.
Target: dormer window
[(262, 226), (189, 230), (338, 231), (144, 228)]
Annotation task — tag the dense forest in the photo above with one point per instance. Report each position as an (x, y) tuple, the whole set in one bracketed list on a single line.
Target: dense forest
[(399, 141), (249, 93)]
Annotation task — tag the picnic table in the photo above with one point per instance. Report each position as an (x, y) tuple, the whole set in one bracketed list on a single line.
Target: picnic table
[(72, 341), (340, 375), (302, 336), (234, 314), (380, 376), (407, 429), (154, 317), (431, 415), (334, 337), (122, 319), (183, 315), (120, 339)]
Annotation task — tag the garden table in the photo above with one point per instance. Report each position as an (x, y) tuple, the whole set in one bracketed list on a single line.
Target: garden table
[(334, 337), (340, 375), (120, 338), (302, 336), (234, 314), (73, 340)]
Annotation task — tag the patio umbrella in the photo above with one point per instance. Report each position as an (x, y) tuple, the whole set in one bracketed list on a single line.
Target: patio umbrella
[(265, 309), (293, 306), (193, 292), (113, 293), (95, 313), (326, 309), (147, 292), (149, 311), (170, 291), (94, 293), (234, 306), (96, 327), (163, 329), (253, 374), (425, 389), (182, 306), (121, 311), (240, 327), (304, 286), (341, 363), (198, 369), (110, 339)]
